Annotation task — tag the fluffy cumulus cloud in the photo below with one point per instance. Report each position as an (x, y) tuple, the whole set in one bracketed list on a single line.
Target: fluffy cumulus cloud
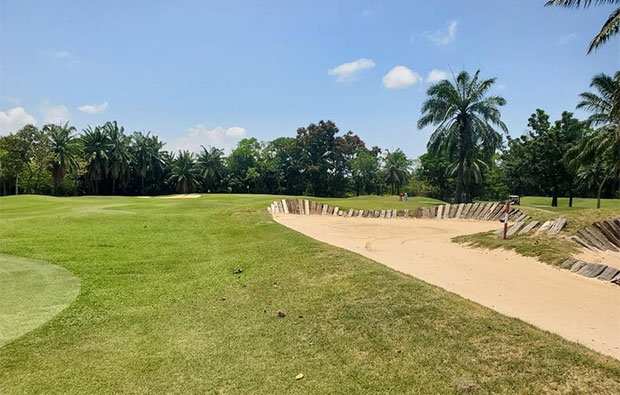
[(400, 77), (54, 114), (436, 76), (14, 119), (443, 36), (351, 70), (93, 108), (201, 135)]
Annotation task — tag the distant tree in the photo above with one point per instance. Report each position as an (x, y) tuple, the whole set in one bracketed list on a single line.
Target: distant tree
[(184, 173), (397, 170), (148, 156), (96, 147), (245, 156), (610, 27), (317, 144), (212, 167), (119, 154), (464, 116), (433, 170), (64, 151), (366, 167), (14, 155), (594, 176)]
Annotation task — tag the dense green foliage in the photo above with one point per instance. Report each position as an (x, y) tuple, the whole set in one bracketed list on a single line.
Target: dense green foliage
[(467, 157), (161, 310)]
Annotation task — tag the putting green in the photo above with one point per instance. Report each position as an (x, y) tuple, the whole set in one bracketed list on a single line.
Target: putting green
[(31, 293)]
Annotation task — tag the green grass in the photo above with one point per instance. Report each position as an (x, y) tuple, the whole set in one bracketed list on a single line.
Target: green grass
[(161, 311), (550, 249), (32, 292)]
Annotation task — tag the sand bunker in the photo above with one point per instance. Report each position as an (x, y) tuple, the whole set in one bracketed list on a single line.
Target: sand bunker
[(580, 309)]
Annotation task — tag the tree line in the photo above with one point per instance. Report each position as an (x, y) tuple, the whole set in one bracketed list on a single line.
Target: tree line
[(467, 155)]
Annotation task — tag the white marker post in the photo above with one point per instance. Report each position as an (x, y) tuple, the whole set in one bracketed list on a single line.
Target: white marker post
[(506, 218)]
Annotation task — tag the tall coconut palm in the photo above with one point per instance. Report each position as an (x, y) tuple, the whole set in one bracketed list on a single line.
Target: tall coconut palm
[(119, 155), (147, 156), (184, 173), (603, 143), (464, 116), (610, 27), (96, 147), (397, 169), (63, 148), (211, 165)]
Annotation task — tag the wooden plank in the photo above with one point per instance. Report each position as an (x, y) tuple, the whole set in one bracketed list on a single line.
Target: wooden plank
[(582, 242), (439, 211), (577, 266), (459, 210), (613, 226), (592, 270), (491, 212), (472, 210), (499, 209), (284, 206), (608, 274), (406, 213), (433, 212), (382, 215), (479, 211), (513, 213), (453, 210), (350, 213), (360, 213), (500, 213), (466, 210), (306, 207), (567, 264), (601, 238), (590, 239), (545, 227), (514, 228), (446, 211), (394, 213), (324, 210), (336, 210), (557, 226), (377, 214), (388, 214), (609, 235), (528, 228)]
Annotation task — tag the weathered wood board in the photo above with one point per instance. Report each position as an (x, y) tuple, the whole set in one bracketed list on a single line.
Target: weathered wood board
[(591, 270), (528, 228), (514, 228)]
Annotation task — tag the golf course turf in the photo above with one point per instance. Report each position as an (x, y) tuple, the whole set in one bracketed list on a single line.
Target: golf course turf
[(163, 308)]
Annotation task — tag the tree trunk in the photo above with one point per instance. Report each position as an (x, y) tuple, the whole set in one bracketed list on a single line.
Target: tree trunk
[(598, 193), (17, 184), (570, 192), (554, 198)]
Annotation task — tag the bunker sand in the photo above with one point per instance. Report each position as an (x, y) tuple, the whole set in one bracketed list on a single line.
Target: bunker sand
[(579, 309)]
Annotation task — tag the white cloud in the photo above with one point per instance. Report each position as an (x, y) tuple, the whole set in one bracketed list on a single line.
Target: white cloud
[(200, 135), (350, 71), (501, 87), (443, 36), (93, 108), (54, 114), (400, 77), (436, 76), (14, 119), (567, 39), (64, 57)]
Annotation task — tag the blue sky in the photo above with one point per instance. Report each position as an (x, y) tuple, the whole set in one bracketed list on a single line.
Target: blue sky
[(212, 72)]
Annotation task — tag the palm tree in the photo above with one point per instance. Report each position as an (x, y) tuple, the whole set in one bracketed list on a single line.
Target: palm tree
[(62, 145), (464, 117), (610, 27), (148, 156), (96, 147), (594, 176), (396, 169), (604, 105), (184, 173), (211, 165), (119, 155)]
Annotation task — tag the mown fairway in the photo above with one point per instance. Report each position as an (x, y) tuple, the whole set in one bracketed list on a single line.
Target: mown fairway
[(161, 310)]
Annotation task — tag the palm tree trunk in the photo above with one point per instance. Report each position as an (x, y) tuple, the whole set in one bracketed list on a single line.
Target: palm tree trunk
[(570, 191), (598, 193)]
